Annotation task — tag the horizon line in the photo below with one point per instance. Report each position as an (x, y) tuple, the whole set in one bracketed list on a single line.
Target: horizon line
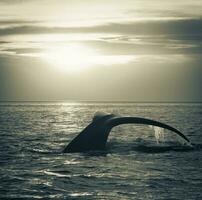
[(99, 101)]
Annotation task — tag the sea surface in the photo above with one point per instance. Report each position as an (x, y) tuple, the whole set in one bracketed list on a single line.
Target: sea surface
[(135, 164)]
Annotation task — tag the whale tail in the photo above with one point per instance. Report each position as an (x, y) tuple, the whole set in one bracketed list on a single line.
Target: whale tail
[(139, 120), (95, 135)]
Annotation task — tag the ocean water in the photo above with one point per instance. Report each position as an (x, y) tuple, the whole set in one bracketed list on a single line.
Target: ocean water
[(134, 166)]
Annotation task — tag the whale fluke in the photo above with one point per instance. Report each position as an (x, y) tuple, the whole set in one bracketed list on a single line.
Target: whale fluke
[(95, 135)]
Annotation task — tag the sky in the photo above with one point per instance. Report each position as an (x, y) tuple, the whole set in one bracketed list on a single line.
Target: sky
[(101, 50)]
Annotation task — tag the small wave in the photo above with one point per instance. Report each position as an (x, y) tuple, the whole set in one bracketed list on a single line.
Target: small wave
[(44, 151), (146, 146), (161, 149), (71, 162), (57, 173), (80, 194)]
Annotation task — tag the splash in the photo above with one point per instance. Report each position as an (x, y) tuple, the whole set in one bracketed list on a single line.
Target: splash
[(161, 137), (159, 134)]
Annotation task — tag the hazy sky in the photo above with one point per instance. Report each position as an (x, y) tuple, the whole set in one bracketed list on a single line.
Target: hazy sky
[(130, 50)]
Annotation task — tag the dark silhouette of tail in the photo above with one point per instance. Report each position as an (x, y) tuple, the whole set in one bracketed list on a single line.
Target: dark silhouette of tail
[(95, 135)]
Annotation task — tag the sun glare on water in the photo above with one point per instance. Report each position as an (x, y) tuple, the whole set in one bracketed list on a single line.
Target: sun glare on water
[(76, 57)]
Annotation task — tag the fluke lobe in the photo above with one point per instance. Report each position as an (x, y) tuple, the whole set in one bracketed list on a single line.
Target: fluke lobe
[(94, 136)]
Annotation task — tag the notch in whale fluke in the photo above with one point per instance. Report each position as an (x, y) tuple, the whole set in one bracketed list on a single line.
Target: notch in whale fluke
[(95, 135)]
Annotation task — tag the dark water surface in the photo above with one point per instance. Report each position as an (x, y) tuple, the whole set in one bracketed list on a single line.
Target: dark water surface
[(32, 165)]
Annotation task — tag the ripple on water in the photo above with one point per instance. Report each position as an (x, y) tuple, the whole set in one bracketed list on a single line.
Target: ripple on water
[(133, 167)]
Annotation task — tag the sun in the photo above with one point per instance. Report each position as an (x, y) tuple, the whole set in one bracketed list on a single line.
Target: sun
[(70, 57), (76, 57)]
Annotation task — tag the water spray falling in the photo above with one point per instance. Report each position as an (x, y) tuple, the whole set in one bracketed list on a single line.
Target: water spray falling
[(159, 134)]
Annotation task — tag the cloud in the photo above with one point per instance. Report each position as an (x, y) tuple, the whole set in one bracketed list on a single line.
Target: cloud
[(171, 9), (151, 27), (119, 46), (138, 38), (17, 22)]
